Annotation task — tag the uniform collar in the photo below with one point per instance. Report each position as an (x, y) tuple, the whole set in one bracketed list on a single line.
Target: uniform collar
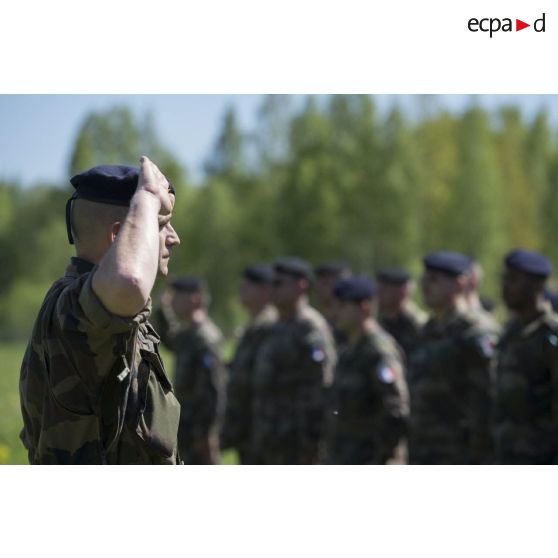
[(78, 266)]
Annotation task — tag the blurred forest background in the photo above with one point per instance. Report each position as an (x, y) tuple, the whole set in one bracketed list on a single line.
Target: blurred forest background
[(333, 178)]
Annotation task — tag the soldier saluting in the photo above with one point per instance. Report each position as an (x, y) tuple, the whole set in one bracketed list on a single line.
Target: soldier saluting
[(93, 388)]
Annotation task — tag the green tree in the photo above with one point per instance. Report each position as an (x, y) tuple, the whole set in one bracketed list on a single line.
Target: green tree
[(539, 153), (228, 159), (116, 137), (520, 205)]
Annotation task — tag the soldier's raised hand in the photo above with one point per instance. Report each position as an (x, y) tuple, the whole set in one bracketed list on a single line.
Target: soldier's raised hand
[(152, 180)]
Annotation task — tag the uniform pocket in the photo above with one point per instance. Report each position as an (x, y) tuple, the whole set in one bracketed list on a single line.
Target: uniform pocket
[(159, 409), (69, 438)]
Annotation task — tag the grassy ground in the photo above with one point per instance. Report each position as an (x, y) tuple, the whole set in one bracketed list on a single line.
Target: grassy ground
[(11, 448)]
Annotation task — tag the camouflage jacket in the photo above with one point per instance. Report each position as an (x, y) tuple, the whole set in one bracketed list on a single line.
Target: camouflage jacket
[(449, 377), (293, 367), (237, 425), (526, 414), (370, 401), (405, 329), (199, 374), (93, 388)]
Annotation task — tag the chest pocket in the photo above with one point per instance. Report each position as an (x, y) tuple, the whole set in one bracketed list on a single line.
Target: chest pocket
[(158, 409)]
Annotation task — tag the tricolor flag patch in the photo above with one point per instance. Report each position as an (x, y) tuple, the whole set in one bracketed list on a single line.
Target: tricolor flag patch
[(386, 374)]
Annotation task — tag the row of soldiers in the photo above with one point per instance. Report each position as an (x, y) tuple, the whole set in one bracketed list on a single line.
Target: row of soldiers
[(370, 378)]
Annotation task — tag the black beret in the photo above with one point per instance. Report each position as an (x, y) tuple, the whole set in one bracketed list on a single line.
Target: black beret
[(450, 263), (529, 262), (331, 268), (293, 266), (259, 273), (113, 184), (188, 284), (354, 288), (394, 275)]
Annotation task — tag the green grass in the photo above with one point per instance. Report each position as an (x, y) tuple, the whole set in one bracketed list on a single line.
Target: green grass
[(11, 448)]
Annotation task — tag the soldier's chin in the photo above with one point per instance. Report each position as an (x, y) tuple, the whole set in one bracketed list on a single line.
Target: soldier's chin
[(163, 269)]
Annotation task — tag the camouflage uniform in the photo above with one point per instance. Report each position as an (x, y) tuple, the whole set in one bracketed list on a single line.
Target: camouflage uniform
[(526, 414), (199, 382), (93, 388), (405, 329), (370, 402), (237, 425), (450, 386), (293, 367), (486, 321)]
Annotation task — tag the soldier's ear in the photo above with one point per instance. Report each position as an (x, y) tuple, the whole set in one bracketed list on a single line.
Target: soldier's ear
[(114, 230), (304, 284), (461, 282)]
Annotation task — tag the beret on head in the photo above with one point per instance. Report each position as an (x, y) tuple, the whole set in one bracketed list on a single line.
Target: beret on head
[(393, 275), (293, 266), (331, 268), (450, 263), (354, 289), (529, 262), (188, 284), (113, 184), (259, 273)]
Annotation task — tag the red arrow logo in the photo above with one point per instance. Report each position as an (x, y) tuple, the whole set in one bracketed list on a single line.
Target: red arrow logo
[(519, 25)]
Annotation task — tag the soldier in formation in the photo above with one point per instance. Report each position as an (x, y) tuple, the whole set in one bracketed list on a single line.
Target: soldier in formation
[(526, 414), (255, 295), (293, 368), (369, 397), (397, 313), (93, 388), (475, 304), (327, 274), (186, 328), (449, 372)]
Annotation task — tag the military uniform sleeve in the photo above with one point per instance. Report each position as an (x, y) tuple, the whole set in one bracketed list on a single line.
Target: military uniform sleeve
[(551, 346), (478, 393), (236, 422), (94, 337), (203, 398), (167, 328), (314, 366), (391, 387)]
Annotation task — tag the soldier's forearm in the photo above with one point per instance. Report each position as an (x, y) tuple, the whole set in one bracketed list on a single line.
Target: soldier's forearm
[(127, 272)]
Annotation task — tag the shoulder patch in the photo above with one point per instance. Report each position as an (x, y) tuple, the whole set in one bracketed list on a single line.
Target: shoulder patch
[(386, 373), (208, 360), (486, 346), (317, 354)]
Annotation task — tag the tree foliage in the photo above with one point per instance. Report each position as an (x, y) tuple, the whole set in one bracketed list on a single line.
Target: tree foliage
[(333, 179)]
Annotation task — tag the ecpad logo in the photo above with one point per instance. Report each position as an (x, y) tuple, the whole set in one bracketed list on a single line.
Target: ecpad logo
[(493, 25)]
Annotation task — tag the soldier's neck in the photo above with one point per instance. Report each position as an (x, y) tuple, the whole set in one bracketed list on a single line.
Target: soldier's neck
[(532, 312), (445, 313), (391, 313), (356, 333), (289, 312), (197, 317), (255, 310)]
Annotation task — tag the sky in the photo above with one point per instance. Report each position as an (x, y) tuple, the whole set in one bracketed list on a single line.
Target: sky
[(37, 132)]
